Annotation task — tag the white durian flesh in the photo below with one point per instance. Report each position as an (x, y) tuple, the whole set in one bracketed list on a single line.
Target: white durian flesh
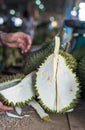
[(18, 93), (56, 85), (67, 86)]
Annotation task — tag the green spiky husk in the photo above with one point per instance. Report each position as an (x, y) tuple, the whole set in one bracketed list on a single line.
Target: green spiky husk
[(81, 75), (81, 71), (11, 77), (34, 59), (79, 53), (70, 60), (6, 102)]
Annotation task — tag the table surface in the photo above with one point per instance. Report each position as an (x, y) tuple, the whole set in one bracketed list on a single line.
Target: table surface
[(70, 121)]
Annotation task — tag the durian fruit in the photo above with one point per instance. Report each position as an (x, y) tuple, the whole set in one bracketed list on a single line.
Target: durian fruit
[(33, 59), (70, 60), (79, 53), (11, 79), (56, 87), (17, 92), (81, 75)]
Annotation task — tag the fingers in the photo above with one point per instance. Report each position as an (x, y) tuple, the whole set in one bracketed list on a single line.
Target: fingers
[(25, 44), (4, 107), (22, 45), (28, 41)]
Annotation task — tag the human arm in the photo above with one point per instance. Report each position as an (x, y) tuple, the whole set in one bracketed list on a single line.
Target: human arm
[(16, 40)]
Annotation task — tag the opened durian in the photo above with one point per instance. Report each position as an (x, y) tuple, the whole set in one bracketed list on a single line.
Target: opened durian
[(17, 92), (57, 87), (55, 84), (34, 59)]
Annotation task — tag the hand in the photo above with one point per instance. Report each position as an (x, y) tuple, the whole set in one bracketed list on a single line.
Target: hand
[(4, 107), (17, 40)]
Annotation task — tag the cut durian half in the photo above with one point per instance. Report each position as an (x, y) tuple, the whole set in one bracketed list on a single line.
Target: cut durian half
[(67, 86), (57, 87), (18, 93), (45, 87)]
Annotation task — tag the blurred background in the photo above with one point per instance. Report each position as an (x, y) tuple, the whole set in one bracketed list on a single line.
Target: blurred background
[(42, 19)]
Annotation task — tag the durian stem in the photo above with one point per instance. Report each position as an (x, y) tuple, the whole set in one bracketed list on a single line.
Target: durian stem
[(55, 64), (67, 47)]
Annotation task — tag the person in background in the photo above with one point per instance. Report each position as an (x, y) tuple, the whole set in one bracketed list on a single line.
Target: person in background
[(28, 24), (14, 40)]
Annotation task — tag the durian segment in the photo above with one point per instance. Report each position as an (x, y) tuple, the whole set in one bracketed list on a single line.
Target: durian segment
[(67, 86), (45, 85), (45, 81), (19, 94)]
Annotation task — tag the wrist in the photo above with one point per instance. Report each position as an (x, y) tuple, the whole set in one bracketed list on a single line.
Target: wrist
[(2, 38)]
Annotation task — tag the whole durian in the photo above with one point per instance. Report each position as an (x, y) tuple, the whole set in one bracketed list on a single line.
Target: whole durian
[(81, 75), (79, 53), (57, 87)]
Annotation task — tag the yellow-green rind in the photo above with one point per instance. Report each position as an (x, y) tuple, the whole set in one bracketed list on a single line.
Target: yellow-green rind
[(6, 101), (70, 60), (11, 77)]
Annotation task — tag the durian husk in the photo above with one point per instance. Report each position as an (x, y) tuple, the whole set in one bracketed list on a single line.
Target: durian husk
[(79, 53), (81, 75), (34, 59), (19, 94)]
